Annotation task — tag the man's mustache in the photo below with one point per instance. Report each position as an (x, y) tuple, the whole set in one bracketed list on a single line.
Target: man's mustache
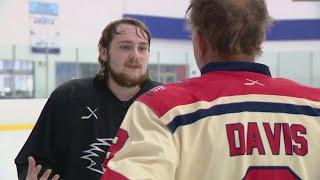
[(134, 63)]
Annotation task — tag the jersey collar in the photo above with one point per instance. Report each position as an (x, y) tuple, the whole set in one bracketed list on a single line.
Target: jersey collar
[(236, 66)]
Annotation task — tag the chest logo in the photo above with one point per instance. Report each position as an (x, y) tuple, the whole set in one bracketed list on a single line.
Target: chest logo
[(253, 82), (92, 113)]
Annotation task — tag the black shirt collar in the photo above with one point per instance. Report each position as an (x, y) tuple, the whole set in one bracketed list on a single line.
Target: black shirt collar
[(236, 66), (103, 88)]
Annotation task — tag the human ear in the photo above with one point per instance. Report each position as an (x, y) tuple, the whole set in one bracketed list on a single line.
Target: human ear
[(103, 53)]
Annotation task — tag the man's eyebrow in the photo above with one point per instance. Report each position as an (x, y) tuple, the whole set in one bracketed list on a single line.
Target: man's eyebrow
[(124, 41), (144, 43), (130, 42)]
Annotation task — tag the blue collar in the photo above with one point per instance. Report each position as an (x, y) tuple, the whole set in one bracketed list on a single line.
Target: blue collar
[(236, 66)]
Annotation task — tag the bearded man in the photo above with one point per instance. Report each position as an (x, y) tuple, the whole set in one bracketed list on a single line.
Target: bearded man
[(80, 119)]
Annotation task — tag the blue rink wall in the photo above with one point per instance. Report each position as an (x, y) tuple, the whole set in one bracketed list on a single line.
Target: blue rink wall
[(281, 30)]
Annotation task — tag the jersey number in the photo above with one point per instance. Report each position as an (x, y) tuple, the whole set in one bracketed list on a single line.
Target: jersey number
[(270, 172)]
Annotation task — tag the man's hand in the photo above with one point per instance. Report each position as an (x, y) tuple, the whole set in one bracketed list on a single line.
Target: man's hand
[(34, 170)]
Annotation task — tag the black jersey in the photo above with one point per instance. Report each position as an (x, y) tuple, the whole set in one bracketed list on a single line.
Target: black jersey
[(75, 129)]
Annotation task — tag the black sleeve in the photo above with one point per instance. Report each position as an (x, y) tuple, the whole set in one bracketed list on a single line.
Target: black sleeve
[(46, 142), (155, 84)]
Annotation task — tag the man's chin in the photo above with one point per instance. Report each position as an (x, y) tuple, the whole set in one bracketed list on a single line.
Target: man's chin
[(129, 81), (130, 84)]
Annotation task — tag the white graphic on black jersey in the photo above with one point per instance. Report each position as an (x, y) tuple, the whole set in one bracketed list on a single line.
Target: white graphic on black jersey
[(91, 113), (253, 82), (97, 150)]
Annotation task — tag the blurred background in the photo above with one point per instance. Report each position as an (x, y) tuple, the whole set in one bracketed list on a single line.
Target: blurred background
[(44, 43)]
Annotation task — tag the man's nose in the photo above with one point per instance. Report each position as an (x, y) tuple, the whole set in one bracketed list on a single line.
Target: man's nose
[(134, 54)]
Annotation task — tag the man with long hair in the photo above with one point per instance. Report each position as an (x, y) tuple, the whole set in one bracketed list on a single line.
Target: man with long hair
[(80, 119)]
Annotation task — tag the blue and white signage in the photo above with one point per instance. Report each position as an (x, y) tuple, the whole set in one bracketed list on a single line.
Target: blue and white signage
[(44, 32)]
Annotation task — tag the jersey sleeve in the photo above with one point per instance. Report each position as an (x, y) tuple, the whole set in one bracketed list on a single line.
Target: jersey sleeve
[(44, 141), (144, 148)]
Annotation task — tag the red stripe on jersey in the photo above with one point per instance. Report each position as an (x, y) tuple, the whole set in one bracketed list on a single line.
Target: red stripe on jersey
[(119, 141), (213, 85)]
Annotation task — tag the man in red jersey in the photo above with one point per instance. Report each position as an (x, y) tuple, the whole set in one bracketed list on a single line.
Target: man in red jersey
[(233, 122)]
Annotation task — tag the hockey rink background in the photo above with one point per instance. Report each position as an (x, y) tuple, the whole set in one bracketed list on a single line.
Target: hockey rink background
[(18, 116)]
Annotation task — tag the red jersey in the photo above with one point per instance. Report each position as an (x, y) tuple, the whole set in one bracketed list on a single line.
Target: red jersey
[(233, 122)]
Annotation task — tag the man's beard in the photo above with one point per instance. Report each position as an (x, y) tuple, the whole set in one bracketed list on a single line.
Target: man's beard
[(123, 79)]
